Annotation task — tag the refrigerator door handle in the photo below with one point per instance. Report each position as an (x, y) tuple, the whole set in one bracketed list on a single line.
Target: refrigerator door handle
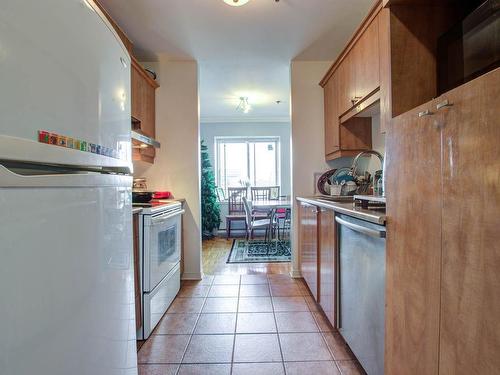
[(10, 179)]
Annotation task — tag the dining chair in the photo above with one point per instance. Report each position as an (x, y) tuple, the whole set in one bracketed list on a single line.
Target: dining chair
[(274, 192), (221, 196), (236, 209), (287, 225), (254, 223), (260, 193)]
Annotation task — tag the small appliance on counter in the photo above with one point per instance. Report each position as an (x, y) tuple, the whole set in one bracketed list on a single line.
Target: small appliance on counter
[(369, 201), (141, 194)]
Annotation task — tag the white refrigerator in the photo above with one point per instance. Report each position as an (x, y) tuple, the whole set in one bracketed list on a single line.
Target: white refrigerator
[(66, 261)]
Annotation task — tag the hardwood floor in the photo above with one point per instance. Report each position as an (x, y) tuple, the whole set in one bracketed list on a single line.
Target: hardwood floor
[(244, 319), (216, 252)]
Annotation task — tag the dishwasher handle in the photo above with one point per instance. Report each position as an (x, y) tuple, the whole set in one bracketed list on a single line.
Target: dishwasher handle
[(359, 228)]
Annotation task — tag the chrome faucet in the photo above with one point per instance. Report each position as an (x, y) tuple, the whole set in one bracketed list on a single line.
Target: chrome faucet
[(364, 153), (382, 166)]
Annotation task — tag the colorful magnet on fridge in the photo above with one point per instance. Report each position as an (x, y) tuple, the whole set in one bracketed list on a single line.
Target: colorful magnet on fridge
[(53, 139), (43, 136)]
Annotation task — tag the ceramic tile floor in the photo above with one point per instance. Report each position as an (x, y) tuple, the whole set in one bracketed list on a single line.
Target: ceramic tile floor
[(263, 324)]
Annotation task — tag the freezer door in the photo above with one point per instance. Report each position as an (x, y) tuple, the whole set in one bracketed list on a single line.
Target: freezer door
[(64, 70), (66, 275)]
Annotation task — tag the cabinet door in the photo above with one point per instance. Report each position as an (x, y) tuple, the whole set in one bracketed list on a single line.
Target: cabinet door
[(346, 84), (327, 251), (136, 86), (309, 247), (137, 274), (470, 303), (332, 141), (366, 61), (413, 185), (148, 108)]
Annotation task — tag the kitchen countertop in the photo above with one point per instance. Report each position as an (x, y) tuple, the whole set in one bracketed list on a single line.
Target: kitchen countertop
[(376, 216), (157, 202)]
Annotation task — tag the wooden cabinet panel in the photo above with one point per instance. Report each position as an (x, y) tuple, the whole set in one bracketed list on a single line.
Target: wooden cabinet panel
[(327, 275), (143, 109), (346, 83), (413, 186), (345, 139), (136, 94), (332, 134), (366, 61), (137, 274), (470, 307), (385, 68), (356, 134), (309, 246)]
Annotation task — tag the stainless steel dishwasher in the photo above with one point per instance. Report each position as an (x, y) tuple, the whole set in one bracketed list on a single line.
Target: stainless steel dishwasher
[(361, 290)]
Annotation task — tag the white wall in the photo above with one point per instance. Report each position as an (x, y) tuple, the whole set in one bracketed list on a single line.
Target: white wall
[(176, 166), (308, 145)]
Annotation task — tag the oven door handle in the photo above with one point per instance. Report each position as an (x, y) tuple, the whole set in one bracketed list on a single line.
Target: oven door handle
[(361, 229), (161, 219)]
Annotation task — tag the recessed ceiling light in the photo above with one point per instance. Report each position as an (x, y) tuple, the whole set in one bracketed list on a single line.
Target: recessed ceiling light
[(236, 3)]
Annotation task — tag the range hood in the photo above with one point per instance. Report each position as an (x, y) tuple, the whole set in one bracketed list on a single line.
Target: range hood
[(142, 140)]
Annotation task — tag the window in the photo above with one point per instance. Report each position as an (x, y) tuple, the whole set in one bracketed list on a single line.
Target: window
[(253, 160)]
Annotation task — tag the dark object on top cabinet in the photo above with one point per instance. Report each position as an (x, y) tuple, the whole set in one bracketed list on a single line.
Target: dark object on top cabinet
[(471, 48)]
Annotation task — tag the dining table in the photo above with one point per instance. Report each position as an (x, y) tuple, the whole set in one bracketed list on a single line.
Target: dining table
[(271, 204)]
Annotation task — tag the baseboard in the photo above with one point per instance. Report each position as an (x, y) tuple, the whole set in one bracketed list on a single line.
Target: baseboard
[(192, 276), (295, 274)]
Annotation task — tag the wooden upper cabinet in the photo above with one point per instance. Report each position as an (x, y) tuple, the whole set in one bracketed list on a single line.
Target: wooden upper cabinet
[(470, 306), (358, 68), (143, 109), (346, 83), (135, 91), (332, 134), (366, 61)]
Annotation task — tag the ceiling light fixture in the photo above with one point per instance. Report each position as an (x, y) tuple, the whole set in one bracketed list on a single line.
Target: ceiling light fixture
[(236, 3), (244, 106)]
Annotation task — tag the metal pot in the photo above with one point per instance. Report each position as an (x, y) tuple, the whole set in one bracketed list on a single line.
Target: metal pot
[(141, 196)]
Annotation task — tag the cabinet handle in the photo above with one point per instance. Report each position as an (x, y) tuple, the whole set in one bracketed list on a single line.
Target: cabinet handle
[(356, 99), (444, 104), (425, 113)]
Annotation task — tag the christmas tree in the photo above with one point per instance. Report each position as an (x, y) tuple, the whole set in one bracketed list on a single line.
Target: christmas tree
[(210, 210)]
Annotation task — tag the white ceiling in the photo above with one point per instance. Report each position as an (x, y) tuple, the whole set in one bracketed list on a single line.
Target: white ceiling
[(241, 51)]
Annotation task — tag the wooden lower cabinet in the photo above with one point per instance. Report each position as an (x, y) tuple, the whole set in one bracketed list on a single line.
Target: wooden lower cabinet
[(413, 253), (470, 287), (308, 227), (327, 255), (317, 238), (443, 257)]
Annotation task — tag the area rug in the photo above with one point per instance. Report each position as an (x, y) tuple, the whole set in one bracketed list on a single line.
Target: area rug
[(259, 251)]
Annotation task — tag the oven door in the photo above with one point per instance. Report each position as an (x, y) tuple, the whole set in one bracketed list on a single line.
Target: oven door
[(162, 247)]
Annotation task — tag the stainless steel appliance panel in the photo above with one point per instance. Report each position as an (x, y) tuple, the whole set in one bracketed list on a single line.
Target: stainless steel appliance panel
[(362, 290)]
